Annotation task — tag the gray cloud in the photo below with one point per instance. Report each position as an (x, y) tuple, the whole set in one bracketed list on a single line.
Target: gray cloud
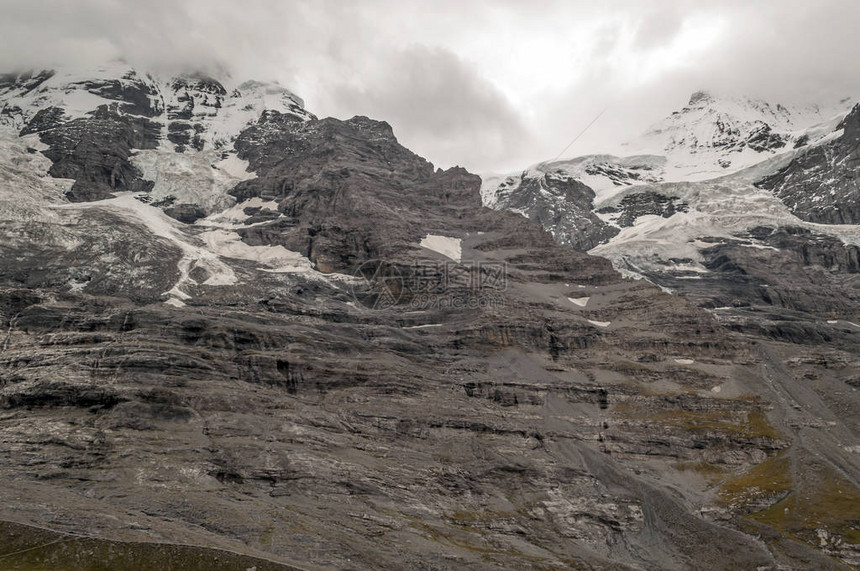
[(445, 102), (488, 84), (656, 27)]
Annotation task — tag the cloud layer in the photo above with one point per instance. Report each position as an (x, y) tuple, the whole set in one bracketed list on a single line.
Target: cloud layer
[(491, 85)]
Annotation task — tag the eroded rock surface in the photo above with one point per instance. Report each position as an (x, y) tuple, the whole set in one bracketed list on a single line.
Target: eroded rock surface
[(559, 203)]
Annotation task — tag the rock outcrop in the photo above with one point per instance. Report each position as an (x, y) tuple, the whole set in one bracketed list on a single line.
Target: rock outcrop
[(559, 203), (821, 184), (347, 190), (647, 203)]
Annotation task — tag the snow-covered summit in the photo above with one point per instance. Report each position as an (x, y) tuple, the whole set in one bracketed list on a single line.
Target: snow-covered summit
[(192, 110), (710, 137), (714, 135), (113, 128), (704, 173)]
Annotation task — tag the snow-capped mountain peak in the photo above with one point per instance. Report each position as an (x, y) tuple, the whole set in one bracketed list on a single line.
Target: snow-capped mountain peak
[(698, 173), (193, 110), (169, 136), (713, 135)]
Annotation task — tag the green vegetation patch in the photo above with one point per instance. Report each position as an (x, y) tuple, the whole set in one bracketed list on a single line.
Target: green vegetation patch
[(755, 425), (770, 479), (732, 423), (833, 506)]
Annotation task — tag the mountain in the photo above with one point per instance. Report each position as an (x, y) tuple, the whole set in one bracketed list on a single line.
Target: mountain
[(744, 208), (636, 211), (710, 137), (285, 342)]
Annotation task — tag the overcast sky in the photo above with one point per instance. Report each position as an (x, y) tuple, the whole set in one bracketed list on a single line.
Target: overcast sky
[(490, 85)]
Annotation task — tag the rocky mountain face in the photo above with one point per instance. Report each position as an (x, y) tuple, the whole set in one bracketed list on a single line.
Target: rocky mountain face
[(649, 203), (561, 195), (821, 185), (559, 203), (340, 215), (346, 362)]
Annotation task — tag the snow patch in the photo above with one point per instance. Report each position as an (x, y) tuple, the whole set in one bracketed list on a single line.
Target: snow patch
[(600, 323), (230, 245), (157, 222), (189, 178), (445, 245), (25, 186), (580, 301), (234, 217), (684, 361), (235, 167)]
